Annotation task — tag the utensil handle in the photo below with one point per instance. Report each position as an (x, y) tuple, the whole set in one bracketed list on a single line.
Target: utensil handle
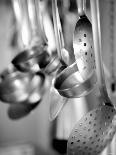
[(98, 50), (40, 15), (57, 29), (17, 12), (81, 7), (34, 22), (21, 15)]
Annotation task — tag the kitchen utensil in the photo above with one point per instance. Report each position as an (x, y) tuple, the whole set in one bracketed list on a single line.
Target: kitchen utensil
[(33, 53), (57, 102), (16, 87), (21, 110), (112, 46), (32, 59), (96, 129), (83, 43), (69, 81)]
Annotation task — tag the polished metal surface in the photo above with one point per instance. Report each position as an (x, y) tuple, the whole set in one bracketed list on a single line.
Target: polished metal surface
[(21, 110), (96, 128), (92, 133), (16, 87)]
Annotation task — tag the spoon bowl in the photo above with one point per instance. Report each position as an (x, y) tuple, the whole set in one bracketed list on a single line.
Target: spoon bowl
[(93, 132)]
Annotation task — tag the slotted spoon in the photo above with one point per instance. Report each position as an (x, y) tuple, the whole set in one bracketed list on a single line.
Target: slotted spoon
[(69, 81), (83, 43), (96, 129)]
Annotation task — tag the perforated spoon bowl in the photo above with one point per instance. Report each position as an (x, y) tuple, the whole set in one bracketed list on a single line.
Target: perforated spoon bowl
[(83, 43), (92, 133)]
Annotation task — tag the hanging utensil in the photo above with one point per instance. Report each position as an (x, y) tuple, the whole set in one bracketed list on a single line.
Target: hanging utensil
[(112, 46), (58, 102), (21, 110), (16, 87), (96, 129), (31, 57), (83, 43), (64, 84)]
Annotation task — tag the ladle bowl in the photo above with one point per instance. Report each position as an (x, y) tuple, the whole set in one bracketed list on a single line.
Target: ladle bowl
[(17, 86), (21, 110), (14, 86), (70, 84), (32, 59)]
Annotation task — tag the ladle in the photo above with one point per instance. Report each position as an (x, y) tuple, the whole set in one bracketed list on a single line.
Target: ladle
[(69, 81), (96, 129), (21, 110), (35, 51), (57, 103), (32, 58), (16, 87)]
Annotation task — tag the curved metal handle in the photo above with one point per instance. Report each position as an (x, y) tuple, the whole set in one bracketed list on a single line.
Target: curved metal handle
[(81, 7)]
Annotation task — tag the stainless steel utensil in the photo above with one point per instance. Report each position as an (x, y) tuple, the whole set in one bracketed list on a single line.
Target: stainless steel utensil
[(71, 85), (83, 43), (21, 110), (56, 106), (69, 82), (57, 102), (35, 50), (32, 59), (16, 87), (96, 129)]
